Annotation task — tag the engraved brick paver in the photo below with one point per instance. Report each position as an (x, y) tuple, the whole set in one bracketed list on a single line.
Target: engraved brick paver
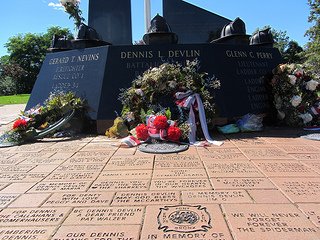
[(28, 232), (232, 169), (146, 198), (79, 199), (255, 186), (218, 196), (18, 187), (32, 216), (203, 221), (268, 196), (242, 183), (105, 216), (30, 200), (269, 221), (285, 168), (6, 199), (125, 175), (111, 232), (312, 210), (300, 189)]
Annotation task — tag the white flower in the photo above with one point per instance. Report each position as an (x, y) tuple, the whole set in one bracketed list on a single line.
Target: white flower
[(73, 2), (278, 101), (295, 101), (281, 115), (139, 92), (172, 84), (293, 79), (312, 85), (307, 117)]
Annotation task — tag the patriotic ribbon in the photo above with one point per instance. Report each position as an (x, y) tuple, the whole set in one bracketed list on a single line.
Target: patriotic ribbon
[(315, 110), (193, 101), (153, 132), (130, 141)]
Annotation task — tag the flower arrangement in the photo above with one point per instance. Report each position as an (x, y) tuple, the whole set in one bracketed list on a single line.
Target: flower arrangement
[(72, 8), (168, 92), (296, 95), (41, 117), (159, 128)]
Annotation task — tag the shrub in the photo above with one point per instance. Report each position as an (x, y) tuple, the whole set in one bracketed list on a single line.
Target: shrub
[(7, 86)]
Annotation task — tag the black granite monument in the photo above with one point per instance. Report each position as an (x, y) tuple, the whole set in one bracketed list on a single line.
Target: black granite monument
[(191, 23), (112, 20), (97, 74)]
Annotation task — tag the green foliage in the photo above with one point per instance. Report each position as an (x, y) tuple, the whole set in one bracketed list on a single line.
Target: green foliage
[(60, 103), (26, 127), (293, 54), (14, 99), (27, 51), (313, 46), (11, 75), (7, 86)]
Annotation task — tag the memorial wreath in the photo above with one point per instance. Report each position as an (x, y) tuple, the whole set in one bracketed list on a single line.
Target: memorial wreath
[(162, 103), (296, 95), (39, 121)]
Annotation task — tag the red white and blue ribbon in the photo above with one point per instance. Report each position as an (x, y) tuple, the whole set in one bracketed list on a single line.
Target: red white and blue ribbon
[(130, 141), (193, 101)]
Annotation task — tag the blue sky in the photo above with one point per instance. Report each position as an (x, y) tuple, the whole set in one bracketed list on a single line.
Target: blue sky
[(35, 16)]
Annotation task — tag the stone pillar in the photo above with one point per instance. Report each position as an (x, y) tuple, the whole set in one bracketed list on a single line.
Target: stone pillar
[(112, 20)]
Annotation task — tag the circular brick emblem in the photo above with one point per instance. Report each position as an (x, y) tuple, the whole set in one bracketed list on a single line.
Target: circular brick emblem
[(184, 218)]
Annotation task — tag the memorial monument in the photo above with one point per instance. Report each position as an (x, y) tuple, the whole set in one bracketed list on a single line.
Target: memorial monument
[(191, 23), (112, 19), (97, 74)]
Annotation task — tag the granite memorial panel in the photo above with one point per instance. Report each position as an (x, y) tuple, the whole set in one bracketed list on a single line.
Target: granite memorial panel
[(191, 23), (98, 74), (80, 71), (112, 20)]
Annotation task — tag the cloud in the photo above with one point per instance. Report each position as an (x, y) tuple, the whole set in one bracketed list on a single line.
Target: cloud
[(56, 6)]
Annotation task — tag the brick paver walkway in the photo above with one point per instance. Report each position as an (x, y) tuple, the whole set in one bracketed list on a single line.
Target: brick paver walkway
[(262, 186)]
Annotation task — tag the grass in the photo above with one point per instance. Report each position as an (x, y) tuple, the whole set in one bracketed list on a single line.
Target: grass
[(14, 99)]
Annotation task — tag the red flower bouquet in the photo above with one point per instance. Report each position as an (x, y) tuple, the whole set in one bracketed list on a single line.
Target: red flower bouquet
[(142, 132), (20, 124), (160, 122), (174, 134)]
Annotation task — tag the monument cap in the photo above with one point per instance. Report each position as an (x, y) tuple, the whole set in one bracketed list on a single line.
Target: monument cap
[(235, 30), (159, 32), (262, 38)]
